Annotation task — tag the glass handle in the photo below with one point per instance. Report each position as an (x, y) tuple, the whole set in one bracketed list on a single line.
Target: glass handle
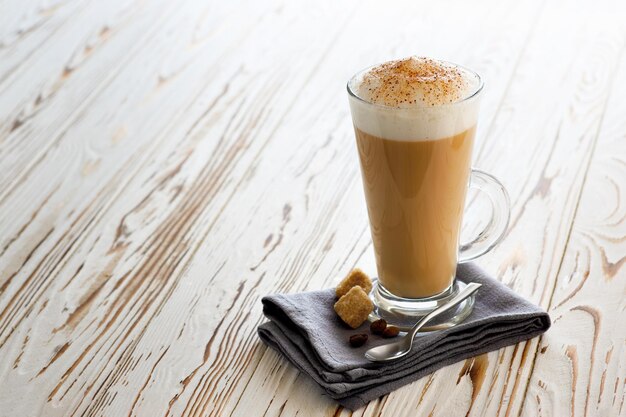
[(493, 233)]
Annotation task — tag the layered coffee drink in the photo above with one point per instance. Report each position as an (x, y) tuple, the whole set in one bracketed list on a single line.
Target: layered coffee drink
[(415, 121)]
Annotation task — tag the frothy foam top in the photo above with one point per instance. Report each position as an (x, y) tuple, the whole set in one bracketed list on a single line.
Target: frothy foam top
[(415, 99), (415, 81)]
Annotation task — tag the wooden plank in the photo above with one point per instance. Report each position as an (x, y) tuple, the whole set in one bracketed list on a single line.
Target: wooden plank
[(66, 374), (45, 93), (25, 26), (581, 366), (130, 109)]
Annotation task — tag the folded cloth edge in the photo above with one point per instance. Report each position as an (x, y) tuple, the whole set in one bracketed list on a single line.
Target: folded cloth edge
[(352, 387)]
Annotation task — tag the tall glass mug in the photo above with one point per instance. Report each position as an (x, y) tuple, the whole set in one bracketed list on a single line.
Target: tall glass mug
[(415, 156)]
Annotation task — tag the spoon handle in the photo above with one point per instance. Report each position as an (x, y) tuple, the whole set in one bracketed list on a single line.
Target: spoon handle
[(471, 288)]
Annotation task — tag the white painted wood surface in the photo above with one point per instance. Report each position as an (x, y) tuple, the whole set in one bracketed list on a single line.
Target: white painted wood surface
[(166, 164)]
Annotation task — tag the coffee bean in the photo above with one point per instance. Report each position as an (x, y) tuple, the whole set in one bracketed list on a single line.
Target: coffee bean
[(378, 327), (391, 331), (358, 340)]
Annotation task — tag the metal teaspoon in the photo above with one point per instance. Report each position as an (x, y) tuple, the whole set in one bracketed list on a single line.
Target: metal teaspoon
[(400, 347)]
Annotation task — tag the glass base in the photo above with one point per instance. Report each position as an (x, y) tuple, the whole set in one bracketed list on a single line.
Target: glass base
[(405, 312)]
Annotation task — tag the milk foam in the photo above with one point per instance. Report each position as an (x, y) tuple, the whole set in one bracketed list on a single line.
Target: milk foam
[(414, 99)]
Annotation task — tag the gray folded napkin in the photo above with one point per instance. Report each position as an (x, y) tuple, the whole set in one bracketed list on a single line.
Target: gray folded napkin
[(305, 329)]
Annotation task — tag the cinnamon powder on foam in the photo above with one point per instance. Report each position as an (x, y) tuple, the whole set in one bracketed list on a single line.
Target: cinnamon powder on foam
[(413, 81)]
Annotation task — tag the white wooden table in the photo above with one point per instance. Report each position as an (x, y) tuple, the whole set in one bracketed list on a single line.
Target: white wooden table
[(165, 164)]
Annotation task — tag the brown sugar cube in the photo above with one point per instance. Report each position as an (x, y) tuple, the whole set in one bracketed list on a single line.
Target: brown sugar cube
[(354, 307), (354, 278)]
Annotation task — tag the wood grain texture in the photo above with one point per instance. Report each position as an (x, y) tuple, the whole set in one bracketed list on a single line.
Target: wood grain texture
[(586, 349), (166, 164)]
